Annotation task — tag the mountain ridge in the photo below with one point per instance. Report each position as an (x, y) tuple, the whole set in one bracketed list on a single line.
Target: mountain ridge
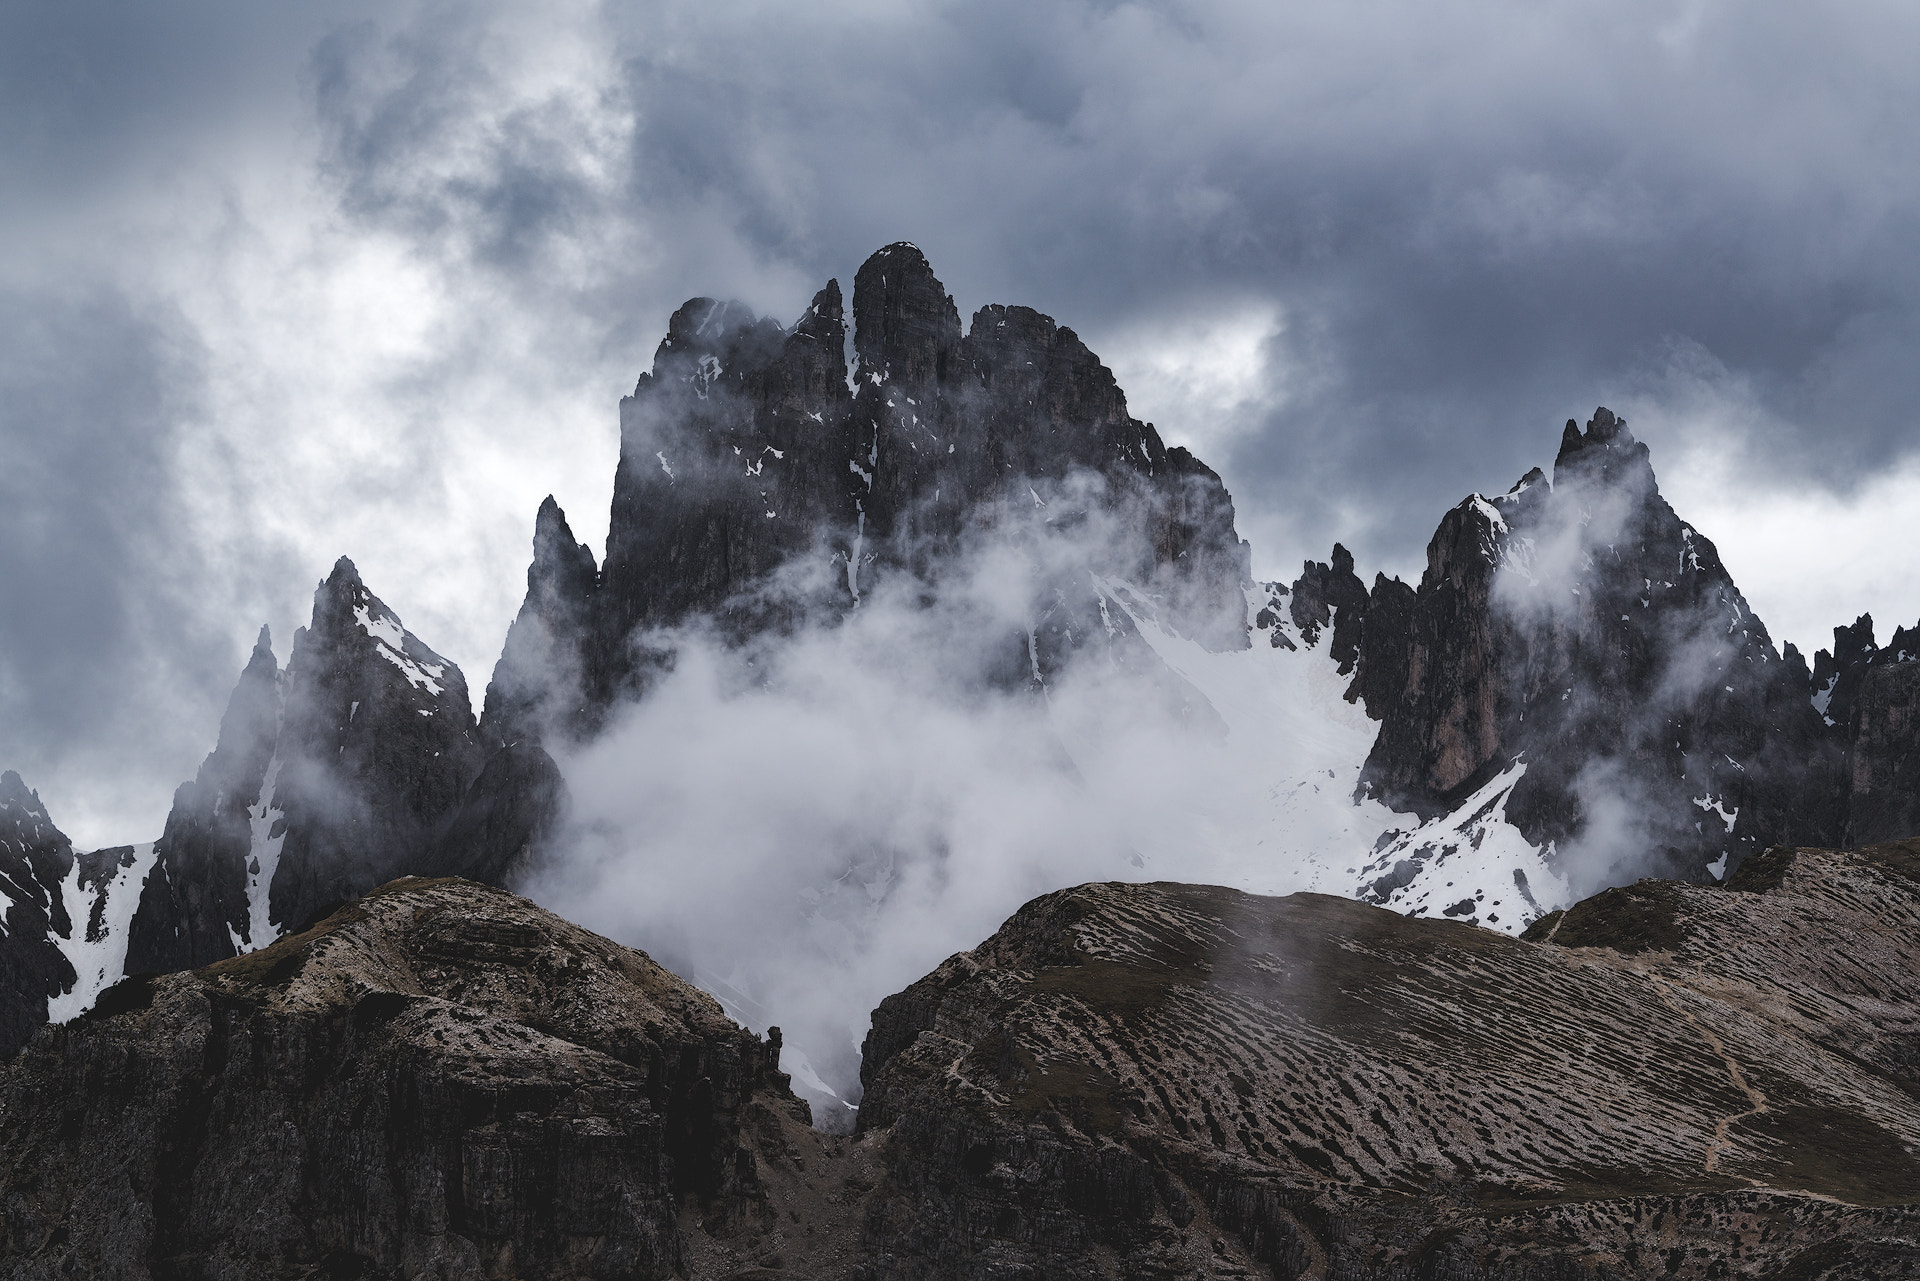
[(765, 481)]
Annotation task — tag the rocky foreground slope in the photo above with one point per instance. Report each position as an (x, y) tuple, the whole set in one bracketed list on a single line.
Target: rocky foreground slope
[(437, 1080), (1125, 1081)]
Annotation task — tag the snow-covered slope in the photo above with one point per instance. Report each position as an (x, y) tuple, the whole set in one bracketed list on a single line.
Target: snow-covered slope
[(100, 894), (1281, 813)]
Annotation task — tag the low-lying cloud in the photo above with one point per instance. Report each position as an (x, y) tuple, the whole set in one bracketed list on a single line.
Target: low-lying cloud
[(421, 249), (807, 823)]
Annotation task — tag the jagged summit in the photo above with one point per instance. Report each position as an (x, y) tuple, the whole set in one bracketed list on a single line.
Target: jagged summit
[(328, 778), (35, 858), (1606, 452), (542, 666), (1581, 642), (14, 793), (755, 488), (906, 328)]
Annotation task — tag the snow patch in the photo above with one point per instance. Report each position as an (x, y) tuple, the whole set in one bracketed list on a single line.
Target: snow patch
[(1727, 816), (263, 858), (1279, 814), (99, 958), (386, 630)]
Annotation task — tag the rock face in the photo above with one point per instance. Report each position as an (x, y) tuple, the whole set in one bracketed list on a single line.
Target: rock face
[(760, 480), (542, 669), (1883, 750), (1865, 695), (1181, 1081), (1177, 1081), (35, 858), (329, 778), (439, 1080), (196, 902), (1582, 628)]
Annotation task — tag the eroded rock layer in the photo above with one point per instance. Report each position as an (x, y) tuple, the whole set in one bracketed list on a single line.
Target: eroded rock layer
[(1125, 1081), (1168, 1080), (438, 1080)]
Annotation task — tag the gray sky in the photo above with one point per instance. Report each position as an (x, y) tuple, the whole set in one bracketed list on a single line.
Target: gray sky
[(279, 283)]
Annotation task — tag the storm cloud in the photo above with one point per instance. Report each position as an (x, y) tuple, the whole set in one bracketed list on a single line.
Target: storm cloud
[(278, 286)]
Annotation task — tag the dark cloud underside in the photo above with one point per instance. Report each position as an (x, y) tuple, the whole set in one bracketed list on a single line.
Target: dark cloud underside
[(422, 248)]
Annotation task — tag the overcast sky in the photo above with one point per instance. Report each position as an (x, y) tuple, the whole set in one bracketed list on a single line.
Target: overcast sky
[(280, 283)]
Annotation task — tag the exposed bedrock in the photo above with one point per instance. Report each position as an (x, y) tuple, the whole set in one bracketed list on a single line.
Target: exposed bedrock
[(357, 763), (1583, 627), (437, 1080), (35, 858), (1180, 1081), (762, 481)]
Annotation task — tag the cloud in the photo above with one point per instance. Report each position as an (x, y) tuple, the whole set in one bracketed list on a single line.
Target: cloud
[(808, 823), (86, 498), (422, 248)]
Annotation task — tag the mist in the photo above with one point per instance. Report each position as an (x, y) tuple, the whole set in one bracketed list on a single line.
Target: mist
[(807, 823), (1632, 631)]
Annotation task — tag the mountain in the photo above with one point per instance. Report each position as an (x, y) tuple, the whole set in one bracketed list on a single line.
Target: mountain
[(437, 1080), (762, 479), (361, 761), (35, 858), (1711, 1075), (1173, 1080), (1577, 639), (1574, 693), (66, 916), (1130, 1080), (1865, 695)]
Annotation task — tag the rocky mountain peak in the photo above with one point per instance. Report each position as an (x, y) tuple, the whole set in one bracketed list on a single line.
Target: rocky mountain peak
[(35, 857), (710, 342), (1586, 637), (1837, 672), (328, 778), (744, 452), (825, 318), (351, 624), (16, 795), (1604, 456), (538, 681), (562, 567), (905, 326)]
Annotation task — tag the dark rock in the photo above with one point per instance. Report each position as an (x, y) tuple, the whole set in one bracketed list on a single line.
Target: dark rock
[(378, 744), (1182, 1081), (328, 779), (760, 485), (1837, 673), (1325, 593), (195, 904), (439, 1080), (727, 471), (540, 678), (1883, 757), (1583, 628), (35, 858), (1385, 647), (502, 824)]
